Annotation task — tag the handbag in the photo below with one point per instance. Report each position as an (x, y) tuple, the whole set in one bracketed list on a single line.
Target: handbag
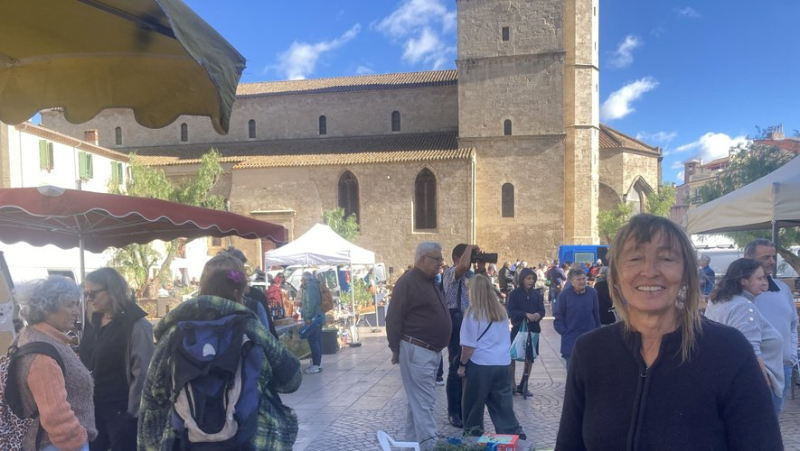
[(517, 350)]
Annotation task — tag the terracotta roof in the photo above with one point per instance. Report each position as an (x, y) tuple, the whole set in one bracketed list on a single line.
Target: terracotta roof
[(52, 135), (316, 151), (614, 139), (327, 145), (354, 158), (347, 84)]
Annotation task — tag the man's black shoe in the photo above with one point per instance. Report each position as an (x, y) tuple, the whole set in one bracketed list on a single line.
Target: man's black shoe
[(456, 421)]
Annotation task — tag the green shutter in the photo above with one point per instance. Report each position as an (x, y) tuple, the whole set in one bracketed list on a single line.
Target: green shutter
[(119, 173), (43, 154), (82, 165), (114, 173), (50, 158), (89, 166)]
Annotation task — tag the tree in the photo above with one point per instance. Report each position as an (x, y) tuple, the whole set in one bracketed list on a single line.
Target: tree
[(609, 221), (347, 228), (748, 164), (659, 203), (135, 261)]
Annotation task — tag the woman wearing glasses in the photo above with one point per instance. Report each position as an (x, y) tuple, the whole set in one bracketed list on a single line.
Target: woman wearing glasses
[(116, 347)]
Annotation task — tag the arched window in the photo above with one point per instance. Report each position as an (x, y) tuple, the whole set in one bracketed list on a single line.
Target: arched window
[(251, 129), (425, 200), (508, 200), (507, 127), (184, 133), (348, 194), (118, 136), (395, 121), (323, 125)]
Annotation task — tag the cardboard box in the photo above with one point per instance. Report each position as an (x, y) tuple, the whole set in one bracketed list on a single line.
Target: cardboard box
[(499, 442)]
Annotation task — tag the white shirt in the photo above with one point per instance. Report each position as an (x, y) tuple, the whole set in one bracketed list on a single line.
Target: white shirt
[(492, 348)]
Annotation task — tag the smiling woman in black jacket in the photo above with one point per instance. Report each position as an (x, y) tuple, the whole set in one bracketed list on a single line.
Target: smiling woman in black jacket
[(663, 378)]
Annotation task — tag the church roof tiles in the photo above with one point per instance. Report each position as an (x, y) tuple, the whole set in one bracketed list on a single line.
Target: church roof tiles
[(614, 139), (317, 151), (348, 84)]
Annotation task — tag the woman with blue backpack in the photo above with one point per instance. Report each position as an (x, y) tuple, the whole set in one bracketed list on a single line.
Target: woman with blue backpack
[(212, 351)]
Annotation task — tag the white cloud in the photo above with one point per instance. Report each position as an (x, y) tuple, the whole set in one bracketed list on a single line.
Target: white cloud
[(658, 31), (657, 137), (623, 56), (300, 60), (679, 177), (689, 12), (618, 104), (712, 146), (677, 165), (420, 25), (364, 70)]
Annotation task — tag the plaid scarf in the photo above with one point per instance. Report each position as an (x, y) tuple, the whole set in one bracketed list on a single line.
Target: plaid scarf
[(280, 372)]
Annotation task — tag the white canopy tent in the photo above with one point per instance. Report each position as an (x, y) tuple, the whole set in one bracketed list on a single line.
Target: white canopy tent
[(773, 201), (322, 246), (319, 246)]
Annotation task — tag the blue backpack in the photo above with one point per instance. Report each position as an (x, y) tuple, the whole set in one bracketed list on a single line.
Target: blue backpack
[(214, 372)]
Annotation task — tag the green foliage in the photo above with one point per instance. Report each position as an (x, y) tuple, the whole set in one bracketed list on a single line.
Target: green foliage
[(135, 261), (659, 203), (361, 294), (609, 221), (748, 164), (347, 228)]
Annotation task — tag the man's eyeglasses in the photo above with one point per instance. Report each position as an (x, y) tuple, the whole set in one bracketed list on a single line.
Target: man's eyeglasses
[(93, 293), (439, 260)]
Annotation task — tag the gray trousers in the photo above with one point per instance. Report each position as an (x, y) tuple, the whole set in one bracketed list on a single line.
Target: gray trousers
[(418, 371), (487, 385)]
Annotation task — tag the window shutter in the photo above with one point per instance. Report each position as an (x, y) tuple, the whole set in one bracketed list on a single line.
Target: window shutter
[(89, 166), (43, 154), (114, 173), (119, 173), (82, 165), (50, 157)]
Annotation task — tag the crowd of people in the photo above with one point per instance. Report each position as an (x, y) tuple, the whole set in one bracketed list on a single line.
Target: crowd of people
[(656, 358), (646, 368)]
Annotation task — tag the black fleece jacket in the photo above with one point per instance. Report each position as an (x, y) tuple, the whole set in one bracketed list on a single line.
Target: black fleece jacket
[(718, 400)]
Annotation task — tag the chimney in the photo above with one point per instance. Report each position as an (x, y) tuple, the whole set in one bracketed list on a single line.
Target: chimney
[(91, 136)]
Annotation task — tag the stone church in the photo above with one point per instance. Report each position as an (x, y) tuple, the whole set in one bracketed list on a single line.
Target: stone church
[(507, 151)]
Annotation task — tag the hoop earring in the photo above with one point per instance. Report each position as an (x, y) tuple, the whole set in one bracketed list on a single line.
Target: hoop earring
[(681, 298)]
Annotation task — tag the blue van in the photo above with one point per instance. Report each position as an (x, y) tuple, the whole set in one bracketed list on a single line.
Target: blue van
[(583, 253)]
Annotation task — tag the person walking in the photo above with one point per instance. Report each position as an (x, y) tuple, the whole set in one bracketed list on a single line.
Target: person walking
[(707, 275), (483, 362), (62, 398), (525, 303), (455, 291), (576, 312), (731, 304), (418, 326), (117, 346), (777, 305), (605, 304), (312, 312)]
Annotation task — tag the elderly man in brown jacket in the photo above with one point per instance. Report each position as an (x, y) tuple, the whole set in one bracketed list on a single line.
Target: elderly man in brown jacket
[(418, 326)]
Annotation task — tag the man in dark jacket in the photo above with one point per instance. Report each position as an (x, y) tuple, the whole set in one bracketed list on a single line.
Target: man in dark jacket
[(505, 278), (576, 312)]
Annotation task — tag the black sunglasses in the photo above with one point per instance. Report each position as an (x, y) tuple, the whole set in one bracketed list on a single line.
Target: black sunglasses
[(93, 293)]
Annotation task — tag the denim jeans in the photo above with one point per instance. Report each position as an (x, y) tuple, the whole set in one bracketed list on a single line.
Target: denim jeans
[(315, 343)]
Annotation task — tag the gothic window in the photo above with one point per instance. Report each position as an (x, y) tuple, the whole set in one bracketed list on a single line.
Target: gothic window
[(425, 200), (184, 133), (395, 121), (508, 200), (348, 194), (507, 127), (118, 136), (323, 125), (251, 129), (506, 33)]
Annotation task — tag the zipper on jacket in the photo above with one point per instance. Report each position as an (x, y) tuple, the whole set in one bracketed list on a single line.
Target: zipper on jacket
[(638, 413)]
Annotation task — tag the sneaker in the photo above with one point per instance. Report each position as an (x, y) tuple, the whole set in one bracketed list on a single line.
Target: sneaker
[(313, 369), (439, 381)]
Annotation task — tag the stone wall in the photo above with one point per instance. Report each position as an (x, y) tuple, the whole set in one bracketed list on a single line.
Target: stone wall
[(534, 165), (386, 194), (426, 109)]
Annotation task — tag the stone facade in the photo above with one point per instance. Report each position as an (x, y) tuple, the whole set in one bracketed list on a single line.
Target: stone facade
[(522, 111)]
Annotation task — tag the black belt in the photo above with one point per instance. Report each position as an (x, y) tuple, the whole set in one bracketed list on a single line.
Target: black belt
[(419, 343)]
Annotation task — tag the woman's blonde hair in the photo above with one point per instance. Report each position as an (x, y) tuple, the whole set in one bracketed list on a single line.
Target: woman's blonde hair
[(643, 228), (483, 302)]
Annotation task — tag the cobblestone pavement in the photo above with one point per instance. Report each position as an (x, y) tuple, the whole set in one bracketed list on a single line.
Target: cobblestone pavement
[(360, 392)]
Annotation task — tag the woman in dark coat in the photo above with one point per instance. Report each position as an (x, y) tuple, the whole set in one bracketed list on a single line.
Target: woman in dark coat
[(525, 303)]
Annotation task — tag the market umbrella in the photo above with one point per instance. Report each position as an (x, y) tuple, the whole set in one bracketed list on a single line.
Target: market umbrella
[(96, 221), (156, 57)]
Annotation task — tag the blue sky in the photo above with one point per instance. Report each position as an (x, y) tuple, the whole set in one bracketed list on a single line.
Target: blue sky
[(692, 77)]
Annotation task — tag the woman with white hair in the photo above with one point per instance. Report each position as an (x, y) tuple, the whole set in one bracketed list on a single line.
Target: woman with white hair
[(62, 395)]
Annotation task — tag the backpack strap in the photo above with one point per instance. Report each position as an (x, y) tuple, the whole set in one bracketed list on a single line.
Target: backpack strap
[(484, 332)]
